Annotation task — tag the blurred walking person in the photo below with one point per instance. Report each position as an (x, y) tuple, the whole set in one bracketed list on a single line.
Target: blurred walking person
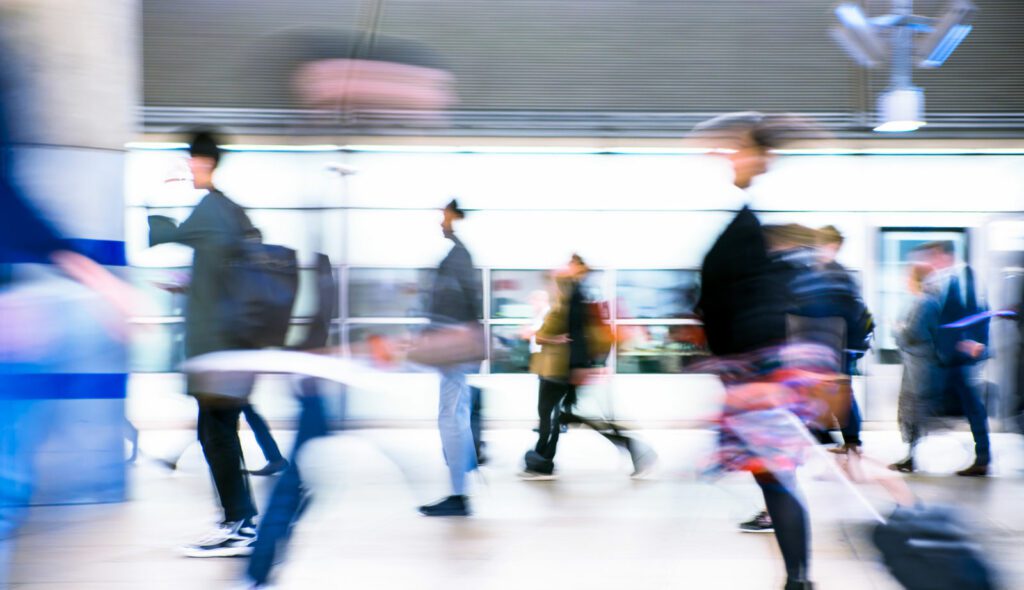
[(212, 230), (771, 383), (454, 301), (916, 339), (567, 354), (34, 341), (840, 291), (959, 350)]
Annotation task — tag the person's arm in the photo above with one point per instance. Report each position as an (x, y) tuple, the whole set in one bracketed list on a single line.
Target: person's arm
[(203, 227), (86, 271), (469, 285), (25, 235)]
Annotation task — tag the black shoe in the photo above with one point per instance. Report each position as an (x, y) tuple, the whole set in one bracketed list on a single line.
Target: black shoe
[(798, 585), (846, 449), (450, 506), (272, 468), (171, 464), (761, 523), (904, 466), (976, 470)]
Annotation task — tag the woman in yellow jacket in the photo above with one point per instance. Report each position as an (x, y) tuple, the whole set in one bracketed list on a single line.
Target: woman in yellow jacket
[(567, 354)]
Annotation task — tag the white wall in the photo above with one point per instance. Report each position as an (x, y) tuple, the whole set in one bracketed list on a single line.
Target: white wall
[(532, 210)]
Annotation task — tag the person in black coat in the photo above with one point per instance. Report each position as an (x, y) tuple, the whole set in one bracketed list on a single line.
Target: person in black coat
[(212, 230), (744, 303), (959, 350)]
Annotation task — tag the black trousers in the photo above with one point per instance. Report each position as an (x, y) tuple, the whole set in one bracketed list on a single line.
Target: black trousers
[(790, 521), (261, 431), (218, 435), (475, 418), (555, 402)]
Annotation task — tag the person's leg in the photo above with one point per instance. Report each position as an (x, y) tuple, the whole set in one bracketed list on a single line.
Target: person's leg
[(549, 397), (642, 455), (289, 495), (790, 520), (218, 435), (261, 431), (851, 428), (453, 423), (976, 414), (475, 425), (131, 434), (456, 441)]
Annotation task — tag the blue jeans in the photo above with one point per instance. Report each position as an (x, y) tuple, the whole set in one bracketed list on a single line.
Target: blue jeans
[(453, 422), (289, 498)]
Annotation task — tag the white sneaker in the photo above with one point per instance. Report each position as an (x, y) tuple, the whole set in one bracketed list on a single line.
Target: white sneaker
[(230, 539), (528, 475)]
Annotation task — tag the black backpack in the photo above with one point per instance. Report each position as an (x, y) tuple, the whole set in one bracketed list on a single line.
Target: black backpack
[(260, 285), (929, 548), (327, 303)]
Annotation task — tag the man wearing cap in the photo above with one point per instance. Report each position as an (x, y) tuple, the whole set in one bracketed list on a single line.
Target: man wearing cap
[(454, 300), (212, 229)]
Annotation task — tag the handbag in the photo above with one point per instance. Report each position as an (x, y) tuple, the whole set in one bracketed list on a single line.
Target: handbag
[(449, 345)]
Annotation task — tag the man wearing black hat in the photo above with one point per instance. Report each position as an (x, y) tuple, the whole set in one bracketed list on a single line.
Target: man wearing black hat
[(454, 300), (215, 226)]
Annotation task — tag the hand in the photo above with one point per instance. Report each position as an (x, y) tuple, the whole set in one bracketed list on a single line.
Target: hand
[(560, 339), (971, 348), (124, 300), (383, 351)]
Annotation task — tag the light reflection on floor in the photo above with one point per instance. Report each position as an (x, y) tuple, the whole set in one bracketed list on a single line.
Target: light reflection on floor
[(593, 528)]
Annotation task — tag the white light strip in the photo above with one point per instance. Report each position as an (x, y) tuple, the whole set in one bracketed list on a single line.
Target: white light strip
[(241, 147), (540, 150), (155, 145), (418, 149), (279, 148), (902, 152), (653, 151)]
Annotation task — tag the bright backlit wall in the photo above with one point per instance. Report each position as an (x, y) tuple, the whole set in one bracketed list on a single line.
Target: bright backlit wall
[(530, 209)]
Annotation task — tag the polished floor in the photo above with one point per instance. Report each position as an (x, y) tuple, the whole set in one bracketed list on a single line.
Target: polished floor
[(592, 528)]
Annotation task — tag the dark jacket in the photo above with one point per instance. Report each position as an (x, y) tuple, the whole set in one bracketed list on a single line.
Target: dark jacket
[(579, 348), (214, 229), (455, 294), (956, 306), (743, 301), (821, 291)]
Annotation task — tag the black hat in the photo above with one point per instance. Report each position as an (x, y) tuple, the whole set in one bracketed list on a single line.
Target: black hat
[(206, 144), (453, 206)]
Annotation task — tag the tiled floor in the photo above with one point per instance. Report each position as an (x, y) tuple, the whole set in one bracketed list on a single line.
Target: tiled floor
[(593, 528)]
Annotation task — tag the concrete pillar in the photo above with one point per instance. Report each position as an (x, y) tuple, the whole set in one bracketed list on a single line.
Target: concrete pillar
[(76, 71)]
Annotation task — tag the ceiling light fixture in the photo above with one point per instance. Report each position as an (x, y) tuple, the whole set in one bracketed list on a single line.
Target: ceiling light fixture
[(901, 106)]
